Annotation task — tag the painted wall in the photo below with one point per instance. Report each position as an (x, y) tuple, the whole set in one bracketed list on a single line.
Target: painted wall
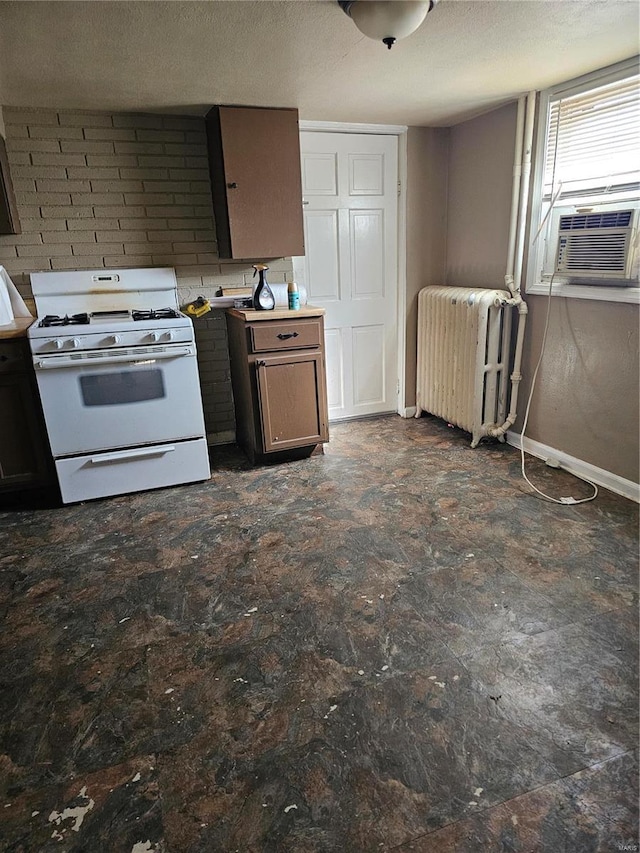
[(427, 169), (479, 203), (587, 400)]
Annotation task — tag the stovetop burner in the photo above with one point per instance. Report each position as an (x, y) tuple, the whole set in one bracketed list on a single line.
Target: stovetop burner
[(85, 318), (56, 320), (157, 314)]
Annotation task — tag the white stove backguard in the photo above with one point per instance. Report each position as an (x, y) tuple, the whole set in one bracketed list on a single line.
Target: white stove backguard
[(78, 291)]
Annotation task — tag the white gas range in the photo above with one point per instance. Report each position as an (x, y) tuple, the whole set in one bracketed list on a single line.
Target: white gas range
[(115, 362)]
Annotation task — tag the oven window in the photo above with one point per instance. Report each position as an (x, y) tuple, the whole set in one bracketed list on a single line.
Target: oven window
[(115, 389)]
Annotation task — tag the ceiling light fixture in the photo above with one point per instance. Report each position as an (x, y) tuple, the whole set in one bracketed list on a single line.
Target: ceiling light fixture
[(387, 20)]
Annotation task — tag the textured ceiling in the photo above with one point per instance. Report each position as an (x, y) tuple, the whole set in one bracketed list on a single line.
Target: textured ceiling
[(468, 56)]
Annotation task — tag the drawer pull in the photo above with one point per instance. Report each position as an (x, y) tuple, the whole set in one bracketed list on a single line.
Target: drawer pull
[(286, 335), (125, 455)]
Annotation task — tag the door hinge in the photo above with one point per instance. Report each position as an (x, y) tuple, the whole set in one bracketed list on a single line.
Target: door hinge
[(399, 187)]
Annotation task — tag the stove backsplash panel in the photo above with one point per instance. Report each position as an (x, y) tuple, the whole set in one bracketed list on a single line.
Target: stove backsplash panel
[(125, 190)]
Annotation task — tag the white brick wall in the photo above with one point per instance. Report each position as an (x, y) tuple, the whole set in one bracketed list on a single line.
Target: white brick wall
[(100, 190), (96, 190), (215, 376)]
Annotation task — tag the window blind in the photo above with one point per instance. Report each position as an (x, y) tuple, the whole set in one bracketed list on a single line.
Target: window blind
[(593, 139)]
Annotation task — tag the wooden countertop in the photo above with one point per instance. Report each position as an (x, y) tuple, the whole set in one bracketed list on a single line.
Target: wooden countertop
[(16, 329), (250, 315)]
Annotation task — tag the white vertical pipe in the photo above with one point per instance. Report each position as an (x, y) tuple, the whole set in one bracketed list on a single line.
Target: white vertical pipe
[(524, 189), (515, 194), (516, 376), (507, 313)]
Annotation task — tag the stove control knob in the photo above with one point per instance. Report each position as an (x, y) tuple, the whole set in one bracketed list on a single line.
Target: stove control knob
[(57, 343), (154, 337), (75, 343), (115, 339), (170, 336)]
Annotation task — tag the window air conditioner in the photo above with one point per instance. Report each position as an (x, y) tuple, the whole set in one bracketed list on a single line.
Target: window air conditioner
[(597, 244)]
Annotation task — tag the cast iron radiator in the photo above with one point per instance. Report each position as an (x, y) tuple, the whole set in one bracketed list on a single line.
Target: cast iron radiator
[(463, 356)]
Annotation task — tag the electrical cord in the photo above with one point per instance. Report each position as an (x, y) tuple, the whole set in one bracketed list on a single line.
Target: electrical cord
[(562, 500)]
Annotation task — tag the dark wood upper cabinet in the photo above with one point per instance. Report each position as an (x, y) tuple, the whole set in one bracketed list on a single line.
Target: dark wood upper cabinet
[(9, 222), (254, 160)]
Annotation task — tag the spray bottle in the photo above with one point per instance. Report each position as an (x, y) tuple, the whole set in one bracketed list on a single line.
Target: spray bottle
[(263, 298)]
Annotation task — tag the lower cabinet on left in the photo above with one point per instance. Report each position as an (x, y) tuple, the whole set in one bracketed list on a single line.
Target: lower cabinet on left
[(24, 450)]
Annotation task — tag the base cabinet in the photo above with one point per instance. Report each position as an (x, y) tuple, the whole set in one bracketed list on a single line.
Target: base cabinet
[(279, 382), (24, 450)]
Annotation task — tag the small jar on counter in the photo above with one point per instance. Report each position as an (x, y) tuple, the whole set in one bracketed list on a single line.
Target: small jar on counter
[(294, 296)]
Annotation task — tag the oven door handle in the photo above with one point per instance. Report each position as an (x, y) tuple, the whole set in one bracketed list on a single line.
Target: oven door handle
[(131, 357), (126, 455)]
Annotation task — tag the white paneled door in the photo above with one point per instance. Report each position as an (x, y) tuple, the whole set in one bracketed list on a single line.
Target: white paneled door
[(350, 192)]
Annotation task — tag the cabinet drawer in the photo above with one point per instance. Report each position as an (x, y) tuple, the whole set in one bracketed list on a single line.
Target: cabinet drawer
[(291, 334), (99, 475)]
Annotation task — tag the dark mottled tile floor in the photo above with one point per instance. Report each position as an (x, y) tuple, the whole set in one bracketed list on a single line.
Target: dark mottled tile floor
[(393, 646)]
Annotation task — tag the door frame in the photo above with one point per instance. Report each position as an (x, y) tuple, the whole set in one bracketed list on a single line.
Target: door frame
[(401, 285)]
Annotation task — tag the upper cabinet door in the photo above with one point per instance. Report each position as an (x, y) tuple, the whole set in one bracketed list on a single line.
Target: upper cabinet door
[(254, 159), (9, 222)]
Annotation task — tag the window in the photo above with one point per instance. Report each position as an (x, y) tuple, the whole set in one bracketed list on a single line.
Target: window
[(585, 210)]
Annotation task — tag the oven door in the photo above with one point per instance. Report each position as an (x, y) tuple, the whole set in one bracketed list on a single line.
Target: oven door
[(99, 400)]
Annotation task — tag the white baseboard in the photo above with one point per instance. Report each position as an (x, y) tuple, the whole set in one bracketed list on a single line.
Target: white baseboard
[(409, 412), (613, 482)]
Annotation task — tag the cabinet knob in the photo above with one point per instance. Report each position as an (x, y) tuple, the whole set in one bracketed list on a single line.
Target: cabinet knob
[(232, 186), (286, 335)]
